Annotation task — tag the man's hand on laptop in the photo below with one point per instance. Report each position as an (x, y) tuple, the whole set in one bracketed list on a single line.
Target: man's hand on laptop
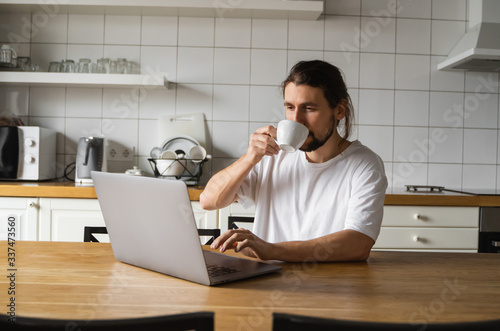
[(244, 241)]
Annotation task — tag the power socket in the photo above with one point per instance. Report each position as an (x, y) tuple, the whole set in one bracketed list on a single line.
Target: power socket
[(120, 153)]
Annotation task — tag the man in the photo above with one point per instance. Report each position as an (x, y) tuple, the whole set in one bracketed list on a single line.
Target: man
[(322, 203)]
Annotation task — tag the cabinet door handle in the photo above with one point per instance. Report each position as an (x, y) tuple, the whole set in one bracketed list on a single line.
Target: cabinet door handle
[(33, 204), (495, 243)]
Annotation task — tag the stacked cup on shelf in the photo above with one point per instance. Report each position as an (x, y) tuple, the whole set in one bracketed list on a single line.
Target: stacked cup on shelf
[(102, 66)]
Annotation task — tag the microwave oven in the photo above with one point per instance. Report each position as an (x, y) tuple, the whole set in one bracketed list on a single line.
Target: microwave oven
[(27, 153)]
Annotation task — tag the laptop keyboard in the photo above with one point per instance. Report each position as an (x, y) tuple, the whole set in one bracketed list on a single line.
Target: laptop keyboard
[(217, 270)]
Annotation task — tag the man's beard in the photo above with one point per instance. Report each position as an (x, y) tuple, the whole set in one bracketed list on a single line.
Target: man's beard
[(317, 142)]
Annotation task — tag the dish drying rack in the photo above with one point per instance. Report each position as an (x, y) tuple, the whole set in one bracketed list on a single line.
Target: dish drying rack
[(191, 174)]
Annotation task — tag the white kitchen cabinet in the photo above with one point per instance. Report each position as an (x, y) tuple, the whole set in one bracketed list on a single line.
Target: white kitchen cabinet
[(429, 228), (65, 219), (412, 228), (268, 9), (235, 209), (25, 212), (204, 219)]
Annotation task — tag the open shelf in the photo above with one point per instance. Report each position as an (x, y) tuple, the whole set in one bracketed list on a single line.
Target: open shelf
[(83, 80), (281, 9)]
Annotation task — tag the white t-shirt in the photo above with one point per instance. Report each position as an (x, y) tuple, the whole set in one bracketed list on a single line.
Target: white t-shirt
[(299, 200)]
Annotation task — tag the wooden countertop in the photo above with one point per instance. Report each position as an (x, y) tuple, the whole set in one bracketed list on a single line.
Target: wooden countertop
[(63, 190), (85, 281), (395, 197), (402, 197)]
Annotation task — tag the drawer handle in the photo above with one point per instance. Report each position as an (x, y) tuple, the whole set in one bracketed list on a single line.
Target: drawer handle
[(417, 217), (495, 243), (417, 239)]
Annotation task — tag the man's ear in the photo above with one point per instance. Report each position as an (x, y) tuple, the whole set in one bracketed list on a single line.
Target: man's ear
[(340, 110)]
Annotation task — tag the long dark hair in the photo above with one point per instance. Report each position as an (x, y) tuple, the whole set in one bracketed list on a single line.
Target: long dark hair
[(330, 80)]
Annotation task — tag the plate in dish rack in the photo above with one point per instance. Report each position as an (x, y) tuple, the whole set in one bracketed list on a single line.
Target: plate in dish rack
[(180, 144)]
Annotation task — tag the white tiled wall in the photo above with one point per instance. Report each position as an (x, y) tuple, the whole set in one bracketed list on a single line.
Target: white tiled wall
[(429, 127)]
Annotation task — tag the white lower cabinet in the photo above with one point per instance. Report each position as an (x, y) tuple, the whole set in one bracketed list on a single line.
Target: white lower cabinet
[(65, 219), (428, 238), (205, 219), (411, 228), (235, 209), (426, 228), (19, 218), (414, 228)]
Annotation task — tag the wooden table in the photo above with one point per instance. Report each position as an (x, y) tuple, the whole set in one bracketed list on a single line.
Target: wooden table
[(84, 281)]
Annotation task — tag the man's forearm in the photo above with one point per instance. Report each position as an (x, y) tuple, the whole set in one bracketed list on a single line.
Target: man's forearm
[(347, 245), (221, 189)]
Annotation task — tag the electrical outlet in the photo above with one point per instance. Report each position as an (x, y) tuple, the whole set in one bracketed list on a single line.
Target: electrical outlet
[(120, 153)]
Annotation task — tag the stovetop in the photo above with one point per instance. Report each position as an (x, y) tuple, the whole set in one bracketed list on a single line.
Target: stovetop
[(440, 189)]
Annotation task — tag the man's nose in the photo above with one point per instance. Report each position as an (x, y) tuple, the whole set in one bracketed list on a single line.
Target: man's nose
[(297, 116)]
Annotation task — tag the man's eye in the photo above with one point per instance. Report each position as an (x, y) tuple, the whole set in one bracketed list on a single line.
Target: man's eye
[(309, 108)]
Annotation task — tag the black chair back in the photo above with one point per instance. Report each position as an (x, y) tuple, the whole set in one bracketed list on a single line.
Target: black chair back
[(89, 231), (290, 322), (232, 220), (199, 321)]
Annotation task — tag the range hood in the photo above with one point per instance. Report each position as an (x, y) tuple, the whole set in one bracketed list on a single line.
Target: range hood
[(479, 48)]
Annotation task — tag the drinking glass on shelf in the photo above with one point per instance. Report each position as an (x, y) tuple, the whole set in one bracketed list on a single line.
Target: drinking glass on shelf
[(34, 68), (121, 66), (23, 62), (55, 66), (113, 66), (85, 66), (130, 68), (103, 66), (67, 66)]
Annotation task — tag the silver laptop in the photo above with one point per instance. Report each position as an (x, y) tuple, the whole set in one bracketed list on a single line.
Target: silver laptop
[(151, 225)]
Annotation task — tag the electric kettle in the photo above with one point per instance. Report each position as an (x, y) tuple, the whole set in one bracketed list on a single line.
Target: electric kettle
[(89, 157)]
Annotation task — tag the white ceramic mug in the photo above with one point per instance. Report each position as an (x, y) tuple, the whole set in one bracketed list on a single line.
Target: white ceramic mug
[(197, 154), (291, 135)]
